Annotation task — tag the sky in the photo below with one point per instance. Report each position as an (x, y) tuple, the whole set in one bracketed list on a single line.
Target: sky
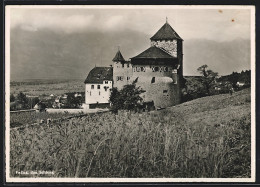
[(51, 30), (212, 24)]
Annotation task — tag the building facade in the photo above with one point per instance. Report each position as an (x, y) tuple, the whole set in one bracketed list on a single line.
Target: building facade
[(98, 85), (159, 69)]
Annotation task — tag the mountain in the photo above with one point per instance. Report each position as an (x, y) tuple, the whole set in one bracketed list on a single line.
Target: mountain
[(49, 54)]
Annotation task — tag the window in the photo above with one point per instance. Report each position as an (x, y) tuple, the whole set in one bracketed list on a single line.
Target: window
[(128, 65), (98, 86), (165, 92), (153, 80), (119, 78), (106, 82), (92, 86), (174, 76), (123, 65), (128, 78), (99, 92), (106, 87), (90, 93), (166, 69), (142, 69), (155, 69)]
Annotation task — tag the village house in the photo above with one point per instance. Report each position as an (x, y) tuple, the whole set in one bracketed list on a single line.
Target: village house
[(159, 70), (98, 86)]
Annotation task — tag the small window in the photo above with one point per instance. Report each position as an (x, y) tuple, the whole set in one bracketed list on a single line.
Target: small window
[(90, 93), (128, 78), (166, 69), (153, 80), (98, 86), (165, 92), (174, 75), (119, 78), (92, 86), (123, 65), (99, 92), (128, 65), (106, 87), (106, 82), (155, 69)]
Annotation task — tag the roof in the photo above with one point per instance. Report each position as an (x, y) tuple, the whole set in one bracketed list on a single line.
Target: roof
[(166, 32), (154, 53), (119, 57), (98, 74)]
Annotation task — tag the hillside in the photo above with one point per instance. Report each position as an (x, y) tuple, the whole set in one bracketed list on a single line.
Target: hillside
[(206, 137)]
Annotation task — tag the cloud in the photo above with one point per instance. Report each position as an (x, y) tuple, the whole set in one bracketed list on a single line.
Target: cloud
[(114, 23), (209, 24), (32, 20)]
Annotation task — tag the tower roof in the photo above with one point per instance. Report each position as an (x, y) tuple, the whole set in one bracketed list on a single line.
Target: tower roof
[(154, 53), (119, 57), (166, 32)]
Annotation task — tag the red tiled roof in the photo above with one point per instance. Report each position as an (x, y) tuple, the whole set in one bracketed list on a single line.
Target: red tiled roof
[(166, 32), (154, 53), (98, 74)]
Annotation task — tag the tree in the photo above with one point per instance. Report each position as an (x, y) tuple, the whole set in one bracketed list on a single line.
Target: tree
[(22, 99), (128, 98), (208, 78), (12, 98)]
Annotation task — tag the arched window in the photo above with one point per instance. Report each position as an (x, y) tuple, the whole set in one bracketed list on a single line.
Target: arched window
[(153, 80)]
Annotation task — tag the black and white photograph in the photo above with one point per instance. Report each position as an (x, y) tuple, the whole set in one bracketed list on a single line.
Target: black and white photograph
[(129, 93)]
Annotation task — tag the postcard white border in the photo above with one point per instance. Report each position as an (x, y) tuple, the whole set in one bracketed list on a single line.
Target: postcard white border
[(130, 180)]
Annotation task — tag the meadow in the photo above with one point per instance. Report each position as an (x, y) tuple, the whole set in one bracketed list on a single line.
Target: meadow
[(46, 87), (206, 137)]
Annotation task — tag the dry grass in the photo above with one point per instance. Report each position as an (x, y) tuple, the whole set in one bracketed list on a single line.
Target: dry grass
[(207, 137)]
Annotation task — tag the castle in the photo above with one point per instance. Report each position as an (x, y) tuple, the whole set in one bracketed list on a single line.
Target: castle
[(159, 70)]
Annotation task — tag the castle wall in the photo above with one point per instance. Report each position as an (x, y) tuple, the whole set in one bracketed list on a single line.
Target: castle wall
[(122, 74), (162, 87), (163, 92), (94, 95)]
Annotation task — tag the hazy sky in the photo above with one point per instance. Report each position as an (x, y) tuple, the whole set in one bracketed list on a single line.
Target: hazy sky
[(213, 24), (71, 40)]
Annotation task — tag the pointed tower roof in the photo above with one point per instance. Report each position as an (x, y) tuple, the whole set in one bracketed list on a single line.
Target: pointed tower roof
[(119, 57), (166, 32)]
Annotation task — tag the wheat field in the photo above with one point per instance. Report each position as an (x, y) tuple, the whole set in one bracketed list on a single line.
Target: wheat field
[(206, 137)]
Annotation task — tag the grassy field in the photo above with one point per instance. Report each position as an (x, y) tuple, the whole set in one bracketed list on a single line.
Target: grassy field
[(47, 87), (206, 137)]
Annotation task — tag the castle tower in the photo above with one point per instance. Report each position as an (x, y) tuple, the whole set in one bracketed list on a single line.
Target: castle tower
[(160, 68), (122, 71), (167, 39)]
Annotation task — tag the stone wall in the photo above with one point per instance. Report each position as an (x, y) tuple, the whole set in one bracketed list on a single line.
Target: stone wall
[(122, 74), (162, 87), (169, 45)]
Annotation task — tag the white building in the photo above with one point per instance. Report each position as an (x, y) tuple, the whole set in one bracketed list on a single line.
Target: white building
[(98, 85)]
